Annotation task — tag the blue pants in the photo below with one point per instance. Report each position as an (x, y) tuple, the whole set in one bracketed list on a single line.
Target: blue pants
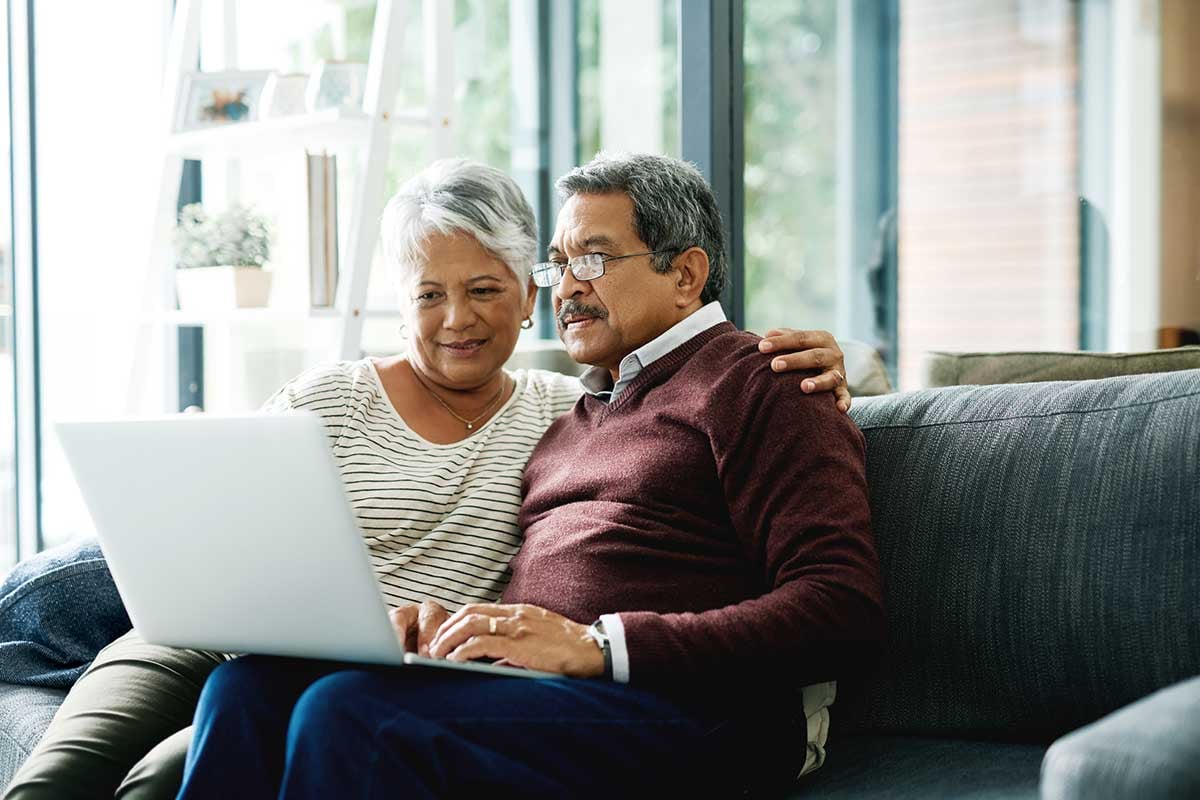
[(273, 727)]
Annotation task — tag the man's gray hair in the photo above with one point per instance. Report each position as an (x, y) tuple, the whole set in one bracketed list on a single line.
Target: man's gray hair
[(456, 195), (674, 208)]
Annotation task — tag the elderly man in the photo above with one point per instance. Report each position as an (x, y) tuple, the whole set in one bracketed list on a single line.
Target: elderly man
[(697, 547)]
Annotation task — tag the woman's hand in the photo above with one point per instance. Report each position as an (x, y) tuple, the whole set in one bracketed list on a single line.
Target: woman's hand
[(522, 636), (799, 350), (417, 625)]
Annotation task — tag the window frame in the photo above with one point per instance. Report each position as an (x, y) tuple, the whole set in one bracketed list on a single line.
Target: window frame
[(22, 110)]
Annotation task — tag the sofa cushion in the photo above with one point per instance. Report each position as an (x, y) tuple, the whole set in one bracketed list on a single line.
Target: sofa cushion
[(1149, 750), (25, 713), (956, 369), (1038, 545), (917, 767)]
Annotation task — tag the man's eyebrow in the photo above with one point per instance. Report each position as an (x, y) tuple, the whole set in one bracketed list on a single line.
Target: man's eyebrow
[(598, 241), (592, 241), (487, 277), (428, 283)]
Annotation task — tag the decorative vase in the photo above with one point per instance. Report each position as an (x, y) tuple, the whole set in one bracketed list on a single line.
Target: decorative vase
[(222, 288)]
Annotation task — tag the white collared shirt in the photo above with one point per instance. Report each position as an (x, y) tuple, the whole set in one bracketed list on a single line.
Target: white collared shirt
[(597, 382)]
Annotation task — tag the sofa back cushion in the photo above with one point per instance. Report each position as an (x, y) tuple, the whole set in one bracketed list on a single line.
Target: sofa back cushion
[(1040, 548), (956, 369)]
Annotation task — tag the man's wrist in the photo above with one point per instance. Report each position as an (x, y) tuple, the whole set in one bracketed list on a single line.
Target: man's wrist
[(598, 635), (615, 629)]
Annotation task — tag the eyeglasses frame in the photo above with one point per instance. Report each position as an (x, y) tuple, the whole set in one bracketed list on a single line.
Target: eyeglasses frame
[(577, 262)]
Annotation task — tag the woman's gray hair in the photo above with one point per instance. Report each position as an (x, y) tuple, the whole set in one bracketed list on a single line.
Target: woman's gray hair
[(456, 195), (674, 208)]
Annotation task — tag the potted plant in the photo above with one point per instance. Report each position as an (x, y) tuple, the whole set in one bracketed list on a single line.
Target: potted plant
[(221, 258)]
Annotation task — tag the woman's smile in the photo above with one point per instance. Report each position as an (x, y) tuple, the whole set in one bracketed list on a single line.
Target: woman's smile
[(463, 348)]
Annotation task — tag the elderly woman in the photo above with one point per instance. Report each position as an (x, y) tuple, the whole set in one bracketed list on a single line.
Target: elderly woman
[(431, 446)]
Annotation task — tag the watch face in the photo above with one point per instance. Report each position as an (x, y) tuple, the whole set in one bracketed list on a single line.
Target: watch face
[(596, 631)]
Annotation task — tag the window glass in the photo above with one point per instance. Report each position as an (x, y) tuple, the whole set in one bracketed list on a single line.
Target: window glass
[(791, 85), (988, 179), (981, 145), (628, 77), (97, 129)]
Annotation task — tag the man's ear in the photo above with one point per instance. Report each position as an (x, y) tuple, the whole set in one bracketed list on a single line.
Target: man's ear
[(692, 268)]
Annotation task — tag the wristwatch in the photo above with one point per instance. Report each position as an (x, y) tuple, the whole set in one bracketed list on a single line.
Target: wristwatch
[(596, 633)]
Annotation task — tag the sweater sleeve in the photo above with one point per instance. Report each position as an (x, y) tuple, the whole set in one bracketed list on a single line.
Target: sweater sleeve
[(793, 469)]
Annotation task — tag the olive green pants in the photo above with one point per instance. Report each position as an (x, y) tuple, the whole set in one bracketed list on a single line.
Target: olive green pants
[(123, 729)]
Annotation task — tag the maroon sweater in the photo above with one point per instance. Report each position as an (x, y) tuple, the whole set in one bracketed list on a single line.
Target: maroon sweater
[(722, 512)]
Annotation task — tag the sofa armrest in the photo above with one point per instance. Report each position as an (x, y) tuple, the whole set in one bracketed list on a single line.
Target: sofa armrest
[(1148, 749), (25, 713)]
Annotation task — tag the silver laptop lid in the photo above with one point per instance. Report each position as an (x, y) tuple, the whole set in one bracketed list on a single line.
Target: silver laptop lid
[(232, 534)]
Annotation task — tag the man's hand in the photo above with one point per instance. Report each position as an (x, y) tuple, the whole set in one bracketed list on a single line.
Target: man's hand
[(519, 635), (810, 350), (417, 625)]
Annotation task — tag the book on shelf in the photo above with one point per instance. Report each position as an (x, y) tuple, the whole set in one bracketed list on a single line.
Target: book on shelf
[(322, 229)]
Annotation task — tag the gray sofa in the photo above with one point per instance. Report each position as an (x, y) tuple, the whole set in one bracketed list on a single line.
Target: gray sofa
[(1040, 546), (25, 713)]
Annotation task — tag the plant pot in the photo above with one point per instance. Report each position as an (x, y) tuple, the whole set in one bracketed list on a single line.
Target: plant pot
[(222, 288)]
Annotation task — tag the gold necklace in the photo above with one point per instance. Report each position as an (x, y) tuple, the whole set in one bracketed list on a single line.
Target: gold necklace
[(470, 423)]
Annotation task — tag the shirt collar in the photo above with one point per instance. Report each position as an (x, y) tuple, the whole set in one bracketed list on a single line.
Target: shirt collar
[(598, 382)]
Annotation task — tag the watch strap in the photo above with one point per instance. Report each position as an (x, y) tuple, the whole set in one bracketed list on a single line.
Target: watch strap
[(598, 635)]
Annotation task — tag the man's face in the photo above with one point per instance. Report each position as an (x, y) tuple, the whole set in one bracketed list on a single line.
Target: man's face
[(602, 320)]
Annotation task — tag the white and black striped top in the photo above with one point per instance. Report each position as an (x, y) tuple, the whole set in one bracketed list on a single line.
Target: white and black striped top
[(440, 520)]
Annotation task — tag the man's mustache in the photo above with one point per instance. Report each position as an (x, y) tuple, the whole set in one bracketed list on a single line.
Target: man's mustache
[(573, 308)]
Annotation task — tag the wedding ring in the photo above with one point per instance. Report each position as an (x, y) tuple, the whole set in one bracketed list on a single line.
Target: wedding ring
[(841, 377), (492, 625)]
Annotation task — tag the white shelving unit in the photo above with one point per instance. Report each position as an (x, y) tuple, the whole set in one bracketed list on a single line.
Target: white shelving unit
[(322, 130), (368, 130), (271, 314)]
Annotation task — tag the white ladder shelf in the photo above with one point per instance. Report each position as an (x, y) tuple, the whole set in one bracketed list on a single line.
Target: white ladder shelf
[(369, 129)]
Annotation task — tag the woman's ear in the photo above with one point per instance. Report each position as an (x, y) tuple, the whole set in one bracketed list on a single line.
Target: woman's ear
[(692, 268), (530, 298)]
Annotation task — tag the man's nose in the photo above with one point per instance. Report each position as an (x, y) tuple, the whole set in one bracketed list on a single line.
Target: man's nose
[(570, 286)]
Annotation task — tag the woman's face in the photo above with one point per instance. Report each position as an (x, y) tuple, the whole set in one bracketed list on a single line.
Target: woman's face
[(465, 309)]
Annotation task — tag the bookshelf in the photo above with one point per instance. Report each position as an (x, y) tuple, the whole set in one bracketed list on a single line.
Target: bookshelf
[(367, 132)]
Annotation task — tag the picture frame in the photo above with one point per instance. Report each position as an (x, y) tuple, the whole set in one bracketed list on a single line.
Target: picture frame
[(283, 95), (338, 85), (220, 98)]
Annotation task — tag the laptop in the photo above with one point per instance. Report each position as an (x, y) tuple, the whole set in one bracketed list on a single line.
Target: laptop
[(233, 533)]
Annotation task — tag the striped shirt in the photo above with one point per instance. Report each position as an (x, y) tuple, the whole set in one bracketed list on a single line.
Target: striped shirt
[(439, 520)]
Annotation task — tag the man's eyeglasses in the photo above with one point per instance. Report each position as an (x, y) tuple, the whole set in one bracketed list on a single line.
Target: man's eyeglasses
[(584, 268)]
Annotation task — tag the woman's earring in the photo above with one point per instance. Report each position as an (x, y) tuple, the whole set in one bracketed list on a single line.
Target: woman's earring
[(403, 331), (527, 323)]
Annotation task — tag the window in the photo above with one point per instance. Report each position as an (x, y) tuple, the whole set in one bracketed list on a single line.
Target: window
[(628, 81), (989, 179), (927, 175), (95, 183), (791, 86)]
